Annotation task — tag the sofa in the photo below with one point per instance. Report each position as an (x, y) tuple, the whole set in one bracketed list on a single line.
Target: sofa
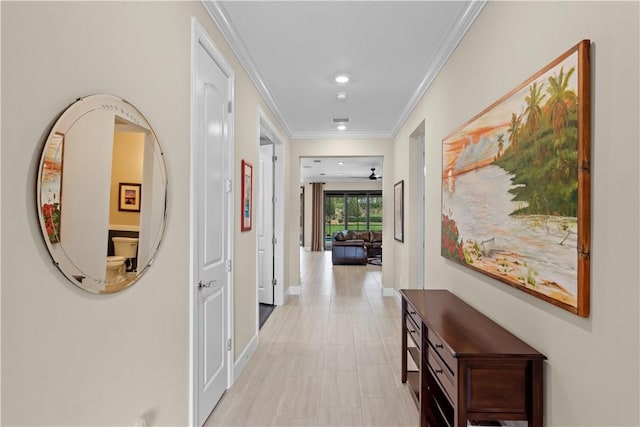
[(355, 247)]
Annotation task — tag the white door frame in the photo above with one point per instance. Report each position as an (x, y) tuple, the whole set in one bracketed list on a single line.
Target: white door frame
[(199, 37), (418, 135), (421, 209), (265, 126), (266, 218)]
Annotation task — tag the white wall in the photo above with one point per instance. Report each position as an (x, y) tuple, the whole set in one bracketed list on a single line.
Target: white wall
[(337, 148), (592, 372), (70, 357)]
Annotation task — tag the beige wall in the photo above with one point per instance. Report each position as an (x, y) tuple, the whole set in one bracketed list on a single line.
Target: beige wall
[(126, 167), (70, 357), (592, 372), (338, 148)]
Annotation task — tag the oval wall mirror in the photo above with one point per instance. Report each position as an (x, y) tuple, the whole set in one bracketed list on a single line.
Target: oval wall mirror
[(101, 193)]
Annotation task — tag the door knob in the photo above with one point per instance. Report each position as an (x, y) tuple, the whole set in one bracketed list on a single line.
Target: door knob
[(201, 284)]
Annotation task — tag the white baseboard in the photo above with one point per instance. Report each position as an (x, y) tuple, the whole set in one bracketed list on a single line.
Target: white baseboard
[(294, 290), (388, 292), (397, 295), (246, 354)]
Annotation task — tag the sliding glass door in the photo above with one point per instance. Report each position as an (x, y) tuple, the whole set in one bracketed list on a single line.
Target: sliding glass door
[(351, 211)]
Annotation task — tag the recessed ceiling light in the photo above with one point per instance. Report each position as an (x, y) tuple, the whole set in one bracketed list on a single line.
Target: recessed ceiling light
[(341, 95), (342, 127), (341, 163), (342, 78)]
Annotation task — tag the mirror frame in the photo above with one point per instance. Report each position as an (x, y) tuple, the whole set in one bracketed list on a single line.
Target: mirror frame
[(125, 111)]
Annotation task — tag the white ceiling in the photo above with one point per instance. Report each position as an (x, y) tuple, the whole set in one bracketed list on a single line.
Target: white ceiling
[(392, 50)]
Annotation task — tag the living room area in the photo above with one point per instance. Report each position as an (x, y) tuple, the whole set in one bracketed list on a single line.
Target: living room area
[(342, 208)]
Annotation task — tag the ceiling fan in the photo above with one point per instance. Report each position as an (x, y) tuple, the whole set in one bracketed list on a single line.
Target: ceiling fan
[(373, 176)]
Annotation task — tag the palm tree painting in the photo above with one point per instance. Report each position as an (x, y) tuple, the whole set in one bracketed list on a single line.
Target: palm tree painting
[(515, 186)]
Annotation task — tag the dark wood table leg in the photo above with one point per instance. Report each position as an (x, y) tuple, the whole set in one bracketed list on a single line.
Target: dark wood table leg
[(537, 395)]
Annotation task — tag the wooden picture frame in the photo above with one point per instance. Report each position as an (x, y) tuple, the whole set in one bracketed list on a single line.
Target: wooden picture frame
[(129, 197), (516, 186), (246, 211), (398, 211)]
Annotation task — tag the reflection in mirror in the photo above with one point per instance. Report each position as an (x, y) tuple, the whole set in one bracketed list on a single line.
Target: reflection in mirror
[(101, 193)]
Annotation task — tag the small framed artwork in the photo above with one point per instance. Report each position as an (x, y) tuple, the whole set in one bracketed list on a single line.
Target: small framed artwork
[(247, 181), (129, 197), (398, 211)]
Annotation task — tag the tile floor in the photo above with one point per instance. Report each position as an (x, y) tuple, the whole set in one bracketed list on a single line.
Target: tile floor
[(328, 357)]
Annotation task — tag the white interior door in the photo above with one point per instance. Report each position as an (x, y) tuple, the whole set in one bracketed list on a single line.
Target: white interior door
[(211, 201), (265, 226)]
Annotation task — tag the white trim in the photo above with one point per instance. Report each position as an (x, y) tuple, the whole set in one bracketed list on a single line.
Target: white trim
[(245, 356), (294, 290), (418, 136), (422, 243), (219, 15), (388, 292), (199, 37), (279, 195), (286, 295), (448, 45)]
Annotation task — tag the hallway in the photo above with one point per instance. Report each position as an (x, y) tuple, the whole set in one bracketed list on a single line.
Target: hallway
[(328, 357)]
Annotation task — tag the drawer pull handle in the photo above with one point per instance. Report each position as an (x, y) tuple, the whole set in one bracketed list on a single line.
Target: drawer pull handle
[(412, 312), (439, 346), (439, 371), (411, 331)]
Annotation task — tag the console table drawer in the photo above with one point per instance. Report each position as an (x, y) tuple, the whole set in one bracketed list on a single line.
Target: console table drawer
[(442, 374), (443, 351), (413, 315), (414, 333)]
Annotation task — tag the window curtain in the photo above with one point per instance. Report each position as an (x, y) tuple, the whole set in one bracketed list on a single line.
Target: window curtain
[(317, 239)]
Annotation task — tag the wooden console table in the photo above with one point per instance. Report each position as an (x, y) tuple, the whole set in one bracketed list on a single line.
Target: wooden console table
[(468, 367)]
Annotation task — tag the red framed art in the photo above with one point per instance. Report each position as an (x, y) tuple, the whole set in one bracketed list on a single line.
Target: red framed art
[(246, 199)]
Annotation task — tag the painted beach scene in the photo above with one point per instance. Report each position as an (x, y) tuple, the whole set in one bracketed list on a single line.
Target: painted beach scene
[(510, 187), (51, 186)]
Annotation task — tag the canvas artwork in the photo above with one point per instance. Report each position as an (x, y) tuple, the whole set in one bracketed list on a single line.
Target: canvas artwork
[(51, 186), (515, 186)]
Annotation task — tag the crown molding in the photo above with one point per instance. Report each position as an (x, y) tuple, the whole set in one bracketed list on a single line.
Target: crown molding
[(449, 44), (465, 19), (218, 14)]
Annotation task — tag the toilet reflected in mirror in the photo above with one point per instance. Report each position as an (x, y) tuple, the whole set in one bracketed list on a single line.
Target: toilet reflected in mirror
[(101, 193), (126, 248), (127, 166)]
